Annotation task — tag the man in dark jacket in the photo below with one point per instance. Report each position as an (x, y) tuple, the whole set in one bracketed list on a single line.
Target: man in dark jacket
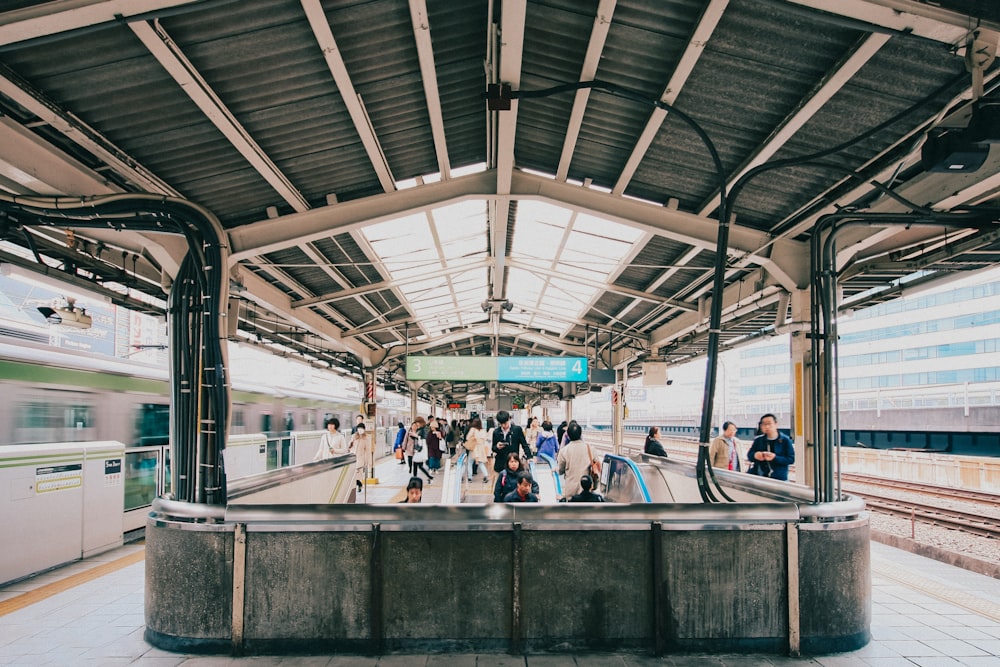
[(772, 452), (522, 493), (506, 439)]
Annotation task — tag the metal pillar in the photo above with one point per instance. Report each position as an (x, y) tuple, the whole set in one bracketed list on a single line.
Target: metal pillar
[(801, 423), (370, 413), (618, 410)]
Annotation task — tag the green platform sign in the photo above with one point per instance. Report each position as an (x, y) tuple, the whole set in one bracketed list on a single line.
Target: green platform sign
[(451, 368)]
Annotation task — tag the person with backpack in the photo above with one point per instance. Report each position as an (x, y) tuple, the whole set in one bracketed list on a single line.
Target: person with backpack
[(523, 492), (507, 479), (546, 442)]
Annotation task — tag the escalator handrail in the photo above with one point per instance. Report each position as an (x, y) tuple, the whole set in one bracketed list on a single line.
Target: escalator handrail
[(635, 471), (555, 471), (456, 479)]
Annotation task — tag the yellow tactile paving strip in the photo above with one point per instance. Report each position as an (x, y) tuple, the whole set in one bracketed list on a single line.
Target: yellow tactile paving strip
[(916, 582), (56, 587)]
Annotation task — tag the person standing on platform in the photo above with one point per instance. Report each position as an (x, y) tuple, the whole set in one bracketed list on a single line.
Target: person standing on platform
[(360, 446), (491, 426), (454, 437), (523, 492), (434, 444), (332, 443), (475, 450), (418, 449), (561, 432), (771, 452), (723, 452), (414, 491), (564, 440), (586, 495), (531, 434), (409, 443), (399, 444), (574, 460), (358, 421), (506, 439), (653, 445), (507, 480), (546, 442), (445, 433)]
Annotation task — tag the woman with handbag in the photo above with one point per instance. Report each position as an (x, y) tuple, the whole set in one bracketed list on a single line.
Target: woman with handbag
[(576, 459), (475, 450), (416, 449)]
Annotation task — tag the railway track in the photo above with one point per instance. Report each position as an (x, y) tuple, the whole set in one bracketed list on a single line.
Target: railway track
[(926, 489), (967, 522)]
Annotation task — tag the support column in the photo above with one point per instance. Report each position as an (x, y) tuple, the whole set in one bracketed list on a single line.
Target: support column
[(618, 410), (413, 399), (800, 382), (370, 412)]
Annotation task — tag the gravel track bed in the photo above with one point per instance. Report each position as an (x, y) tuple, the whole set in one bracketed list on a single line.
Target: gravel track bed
[(983, 548)]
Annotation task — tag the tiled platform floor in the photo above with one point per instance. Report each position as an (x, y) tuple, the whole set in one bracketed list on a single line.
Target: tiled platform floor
[(91, 613)]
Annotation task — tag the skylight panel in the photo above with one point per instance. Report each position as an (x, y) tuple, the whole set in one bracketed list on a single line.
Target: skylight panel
[(606, 229)]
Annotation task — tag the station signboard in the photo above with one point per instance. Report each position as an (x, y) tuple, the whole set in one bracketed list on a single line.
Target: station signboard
[(542, 369), (451, 368), (502, 369)]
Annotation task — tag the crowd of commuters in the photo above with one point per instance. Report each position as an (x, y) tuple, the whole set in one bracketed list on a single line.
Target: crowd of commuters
[(505, 448)]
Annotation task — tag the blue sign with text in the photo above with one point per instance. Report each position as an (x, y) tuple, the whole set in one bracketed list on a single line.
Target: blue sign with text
[(542, 369)]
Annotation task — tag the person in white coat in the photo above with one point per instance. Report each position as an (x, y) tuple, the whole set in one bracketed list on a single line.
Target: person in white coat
[(331, 443)]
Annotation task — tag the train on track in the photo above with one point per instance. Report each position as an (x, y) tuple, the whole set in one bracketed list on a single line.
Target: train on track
[(55, 395)]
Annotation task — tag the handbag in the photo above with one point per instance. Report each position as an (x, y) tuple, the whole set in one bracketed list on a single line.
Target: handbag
[(419, 451), (595, 468)]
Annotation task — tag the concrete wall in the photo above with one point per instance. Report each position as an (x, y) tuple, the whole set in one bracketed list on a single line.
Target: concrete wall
[(978, 473), (378, 579)]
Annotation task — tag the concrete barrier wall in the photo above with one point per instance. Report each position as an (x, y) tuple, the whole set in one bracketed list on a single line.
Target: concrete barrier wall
[(374, 580), (977, 473)]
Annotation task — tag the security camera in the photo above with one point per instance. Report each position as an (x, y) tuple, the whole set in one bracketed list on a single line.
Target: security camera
[(69, 316)]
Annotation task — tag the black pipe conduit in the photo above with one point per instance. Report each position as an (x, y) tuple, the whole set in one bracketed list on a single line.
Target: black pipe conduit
[(726, 204), (823, 310), (200, 393), (705, 476)]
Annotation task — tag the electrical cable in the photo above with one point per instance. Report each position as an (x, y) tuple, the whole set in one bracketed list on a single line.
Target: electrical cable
[(200, 392), (726, 202)]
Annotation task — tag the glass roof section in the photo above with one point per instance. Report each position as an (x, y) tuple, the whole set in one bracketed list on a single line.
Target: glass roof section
[(438, 261), (561, 262)]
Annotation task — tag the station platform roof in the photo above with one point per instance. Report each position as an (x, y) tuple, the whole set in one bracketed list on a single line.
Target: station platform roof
[(501, 177)]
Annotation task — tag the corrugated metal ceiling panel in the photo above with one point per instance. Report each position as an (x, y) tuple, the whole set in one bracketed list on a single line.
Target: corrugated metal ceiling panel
[(459, 39)]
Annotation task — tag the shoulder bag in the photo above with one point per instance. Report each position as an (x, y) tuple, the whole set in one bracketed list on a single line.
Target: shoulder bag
[(595, 467)]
